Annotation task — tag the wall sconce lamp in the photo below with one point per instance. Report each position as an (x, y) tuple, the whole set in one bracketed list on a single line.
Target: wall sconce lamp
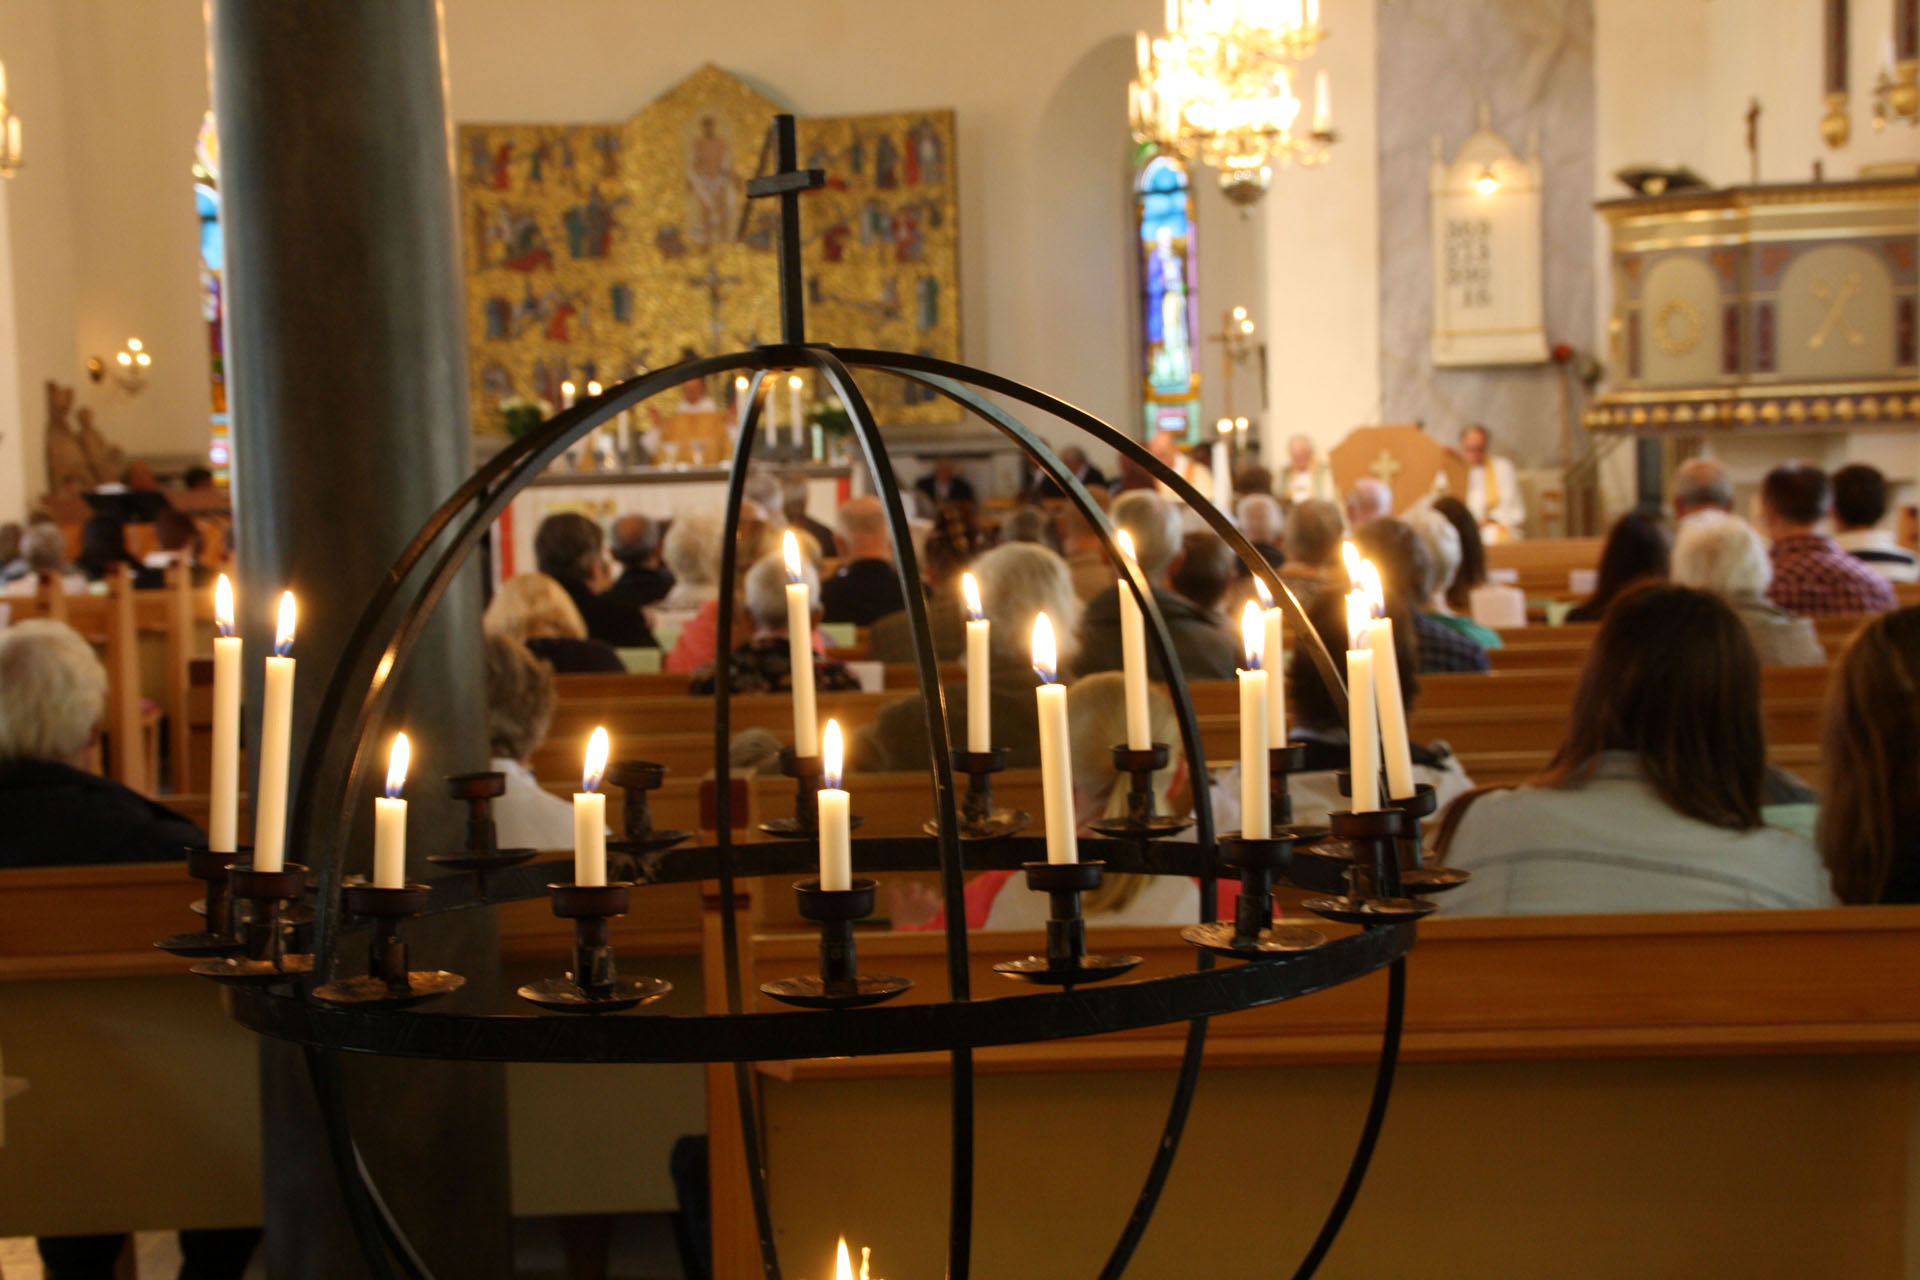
[(1487, 183), (130, 365)]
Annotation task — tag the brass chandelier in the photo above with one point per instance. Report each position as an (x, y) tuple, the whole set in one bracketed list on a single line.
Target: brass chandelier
[(1218, 89)]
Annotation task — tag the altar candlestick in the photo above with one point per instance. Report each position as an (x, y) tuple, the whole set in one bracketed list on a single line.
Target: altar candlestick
[(1386, 681), (390, 821), (979, 674), (740, 385), (1256, 818), (590, 816), (1223, 468), (567, 394), (276, 748), (806, 725), (836, 828), (1056, 768), (1133, 656), (1272, 650), (223, 810), (796, 420), (1363, 726)]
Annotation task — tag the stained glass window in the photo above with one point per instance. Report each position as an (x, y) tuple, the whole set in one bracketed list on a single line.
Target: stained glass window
[(1169, 302), (206, 199)]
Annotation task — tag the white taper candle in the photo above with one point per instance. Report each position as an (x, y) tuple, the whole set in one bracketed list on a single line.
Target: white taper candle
[(390, 822), (836, 827), (806, 723), (979, 674), (1133, 656), (1363, 726), (1056, 765), (590, 816), (223, 809), (276, 748), (1256, 820)]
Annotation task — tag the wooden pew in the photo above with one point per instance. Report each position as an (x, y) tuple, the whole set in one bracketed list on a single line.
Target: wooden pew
[(1542, 566)]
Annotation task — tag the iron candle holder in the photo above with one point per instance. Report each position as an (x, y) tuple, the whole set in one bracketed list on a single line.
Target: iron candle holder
[(1066, 962), (636, 778), (1282, 763), (839, 984), (219, 937), (1141, 822), (388, 982), (483, 855), (1416, 876), (264, 956), (594, 985), (1252, 933), (979, 820), (1374, 893)]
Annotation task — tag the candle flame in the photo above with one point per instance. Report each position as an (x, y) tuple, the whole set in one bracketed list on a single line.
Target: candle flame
[(1239, 424), (566, 388), (1350, 554), (1253, 634), (832, 755), (971, 590), (1125, 540), (843, 1262), (1046, 656), (397, 760), (593, 388), (793, 381), (223, 605), (1260, 587), (1376, 592), (1226, 426), (1359, 614), (597, 748), (283, 634), (790, 551), (740, 384)]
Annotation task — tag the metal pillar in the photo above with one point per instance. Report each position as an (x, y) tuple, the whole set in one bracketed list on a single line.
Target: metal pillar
[(347, 366)]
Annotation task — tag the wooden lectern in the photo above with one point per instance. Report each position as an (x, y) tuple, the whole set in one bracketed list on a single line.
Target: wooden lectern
[(1407, 458)]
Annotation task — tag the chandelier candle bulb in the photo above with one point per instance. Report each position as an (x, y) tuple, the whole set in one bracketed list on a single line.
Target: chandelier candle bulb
[(223, 809), (1386, 681), (806, 721), (979, 675), (1056, 769), (1133, 656), (590, 816), (1256, 820), (390, 822), (836, 827), (1363, 725), (276, 748), (1272, 658)]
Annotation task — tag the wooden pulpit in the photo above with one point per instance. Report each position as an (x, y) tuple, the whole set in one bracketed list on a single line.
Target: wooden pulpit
[(1407, 458)]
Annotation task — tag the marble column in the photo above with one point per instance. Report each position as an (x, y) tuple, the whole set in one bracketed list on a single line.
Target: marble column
[(347, 369)]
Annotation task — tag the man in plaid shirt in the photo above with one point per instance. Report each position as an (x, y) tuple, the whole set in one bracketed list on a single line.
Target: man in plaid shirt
[(1811, 574)]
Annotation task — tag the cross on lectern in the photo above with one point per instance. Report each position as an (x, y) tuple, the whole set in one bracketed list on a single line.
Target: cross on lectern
[(1384, 466), (787, 183)]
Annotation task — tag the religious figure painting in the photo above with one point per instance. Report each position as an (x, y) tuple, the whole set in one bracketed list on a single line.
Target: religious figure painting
[(598, 251)]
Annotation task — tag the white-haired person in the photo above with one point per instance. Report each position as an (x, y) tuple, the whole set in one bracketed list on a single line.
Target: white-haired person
[(1723, 554), (43, 551), (520, 698), (539, 613), (1017, 581), (1303, 476), (763, 662), (1263, 525), (1205, 649), (1442, 542), (1370, 499)]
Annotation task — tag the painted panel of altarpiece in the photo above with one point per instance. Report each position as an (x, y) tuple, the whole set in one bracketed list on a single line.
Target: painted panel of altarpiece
[(597, 251)]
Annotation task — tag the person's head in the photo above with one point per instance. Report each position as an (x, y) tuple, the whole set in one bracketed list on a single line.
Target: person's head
[(1300, 452), (1313, 533), (1369, 499), (1253, 478), (764, 490), (566, 547), (1721, 553), (1074, 458), (1442, 543), (140, 478), (103, 544), (197, 478), (1310, 703), (10, 534), (175, 531), (1793, 497), (1260, 519), (532, 606), (943, 470), (636, 540), (1154, 527), (1636, 548), (793, 496), (1473, 552), (1871, 806), (44, 547), (1204, 569), (1672, 678), (1859, 497), (952, 543), (1030, 524), (1701, 484), (52, 692), (1400, 556), (765, 593), (1019, 581), (520, 698), (692, 550), (1473, 444), (861, 524), (1165, 446)]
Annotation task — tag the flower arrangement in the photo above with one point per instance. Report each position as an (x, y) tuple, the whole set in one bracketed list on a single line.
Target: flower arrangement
[(519, 415)]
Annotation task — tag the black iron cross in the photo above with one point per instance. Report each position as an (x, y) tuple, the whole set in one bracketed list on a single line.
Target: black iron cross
[(787, 182)]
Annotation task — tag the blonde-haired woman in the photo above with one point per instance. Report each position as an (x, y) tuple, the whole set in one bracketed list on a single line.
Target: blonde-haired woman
[(537, 611)]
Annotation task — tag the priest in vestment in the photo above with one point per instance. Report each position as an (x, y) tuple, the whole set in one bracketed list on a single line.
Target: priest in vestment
[(1493, 489), (1304, 476), (1166, 447)]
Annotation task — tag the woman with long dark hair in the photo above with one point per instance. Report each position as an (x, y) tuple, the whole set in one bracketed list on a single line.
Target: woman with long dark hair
[(1652, 802), (1869, 829), (1473, 553), (1636, 548)]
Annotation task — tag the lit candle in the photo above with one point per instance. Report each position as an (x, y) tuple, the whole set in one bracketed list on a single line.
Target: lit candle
[(1363, 728), (1256, 820), (836, 828), (567, 394), (1386, 683), (795, 419), (1133, 656), (1272, 649), (590, 816), (390, 822), (1222, 468), (843, 1263), (223, 810), (740, 385), (1056, 770), (806, 725), (979, 675), (276, 748)]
